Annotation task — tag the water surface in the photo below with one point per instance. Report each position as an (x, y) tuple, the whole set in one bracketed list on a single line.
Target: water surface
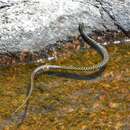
[(62, 101)]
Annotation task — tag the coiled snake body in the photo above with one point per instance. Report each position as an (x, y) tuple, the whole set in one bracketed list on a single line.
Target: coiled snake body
[(97, 46)]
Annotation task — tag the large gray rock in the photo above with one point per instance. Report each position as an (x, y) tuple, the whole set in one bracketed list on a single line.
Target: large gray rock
[(34, 24)]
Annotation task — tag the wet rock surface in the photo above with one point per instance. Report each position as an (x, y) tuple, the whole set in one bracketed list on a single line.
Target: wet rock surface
[(33, 24)]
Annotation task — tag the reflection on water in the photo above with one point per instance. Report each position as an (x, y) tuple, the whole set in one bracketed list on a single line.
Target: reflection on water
[(62, 100)]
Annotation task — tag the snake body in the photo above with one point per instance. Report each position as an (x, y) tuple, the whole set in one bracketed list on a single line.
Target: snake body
[(97, 46)]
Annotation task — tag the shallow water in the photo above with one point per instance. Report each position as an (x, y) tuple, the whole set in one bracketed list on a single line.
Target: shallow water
[(62, 101)]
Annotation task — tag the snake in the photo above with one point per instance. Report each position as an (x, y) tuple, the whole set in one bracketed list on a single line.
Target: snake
[(97, 46)]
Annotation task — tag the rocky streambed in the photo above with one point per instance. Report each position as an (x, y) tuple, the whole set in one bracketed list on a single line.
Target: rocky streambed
[(48, 30), (64, 100)]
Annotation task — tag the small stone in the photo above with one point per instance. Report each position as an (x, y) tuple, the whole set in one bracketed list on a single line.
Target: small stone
[(96, 105), (113, 105), (25, 55)]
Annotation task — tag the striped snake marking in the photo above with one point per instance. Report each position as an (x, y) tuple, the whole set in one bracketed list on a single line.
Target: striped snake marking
[(97, 46)]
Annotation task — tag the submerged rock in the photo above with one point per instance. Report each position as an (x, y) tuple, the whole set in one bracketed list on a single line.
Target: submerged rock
[(33, 24)]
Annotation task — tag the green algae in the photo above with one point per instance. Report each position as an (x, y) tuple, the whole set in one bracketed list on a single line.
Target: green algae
[(60, 103)]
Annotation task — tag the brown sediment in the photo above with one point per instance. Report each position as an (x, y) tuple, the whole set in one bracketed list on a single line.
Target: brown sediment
[(63, 103)]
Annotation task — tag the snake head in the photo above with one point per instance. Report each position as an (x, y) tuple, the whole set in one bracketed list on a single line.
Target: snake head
[(81, 26)]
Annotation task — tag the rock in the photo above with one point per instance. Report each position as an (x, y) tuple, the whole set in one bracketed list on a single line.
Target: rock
[(33, 24), (25, 55)]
